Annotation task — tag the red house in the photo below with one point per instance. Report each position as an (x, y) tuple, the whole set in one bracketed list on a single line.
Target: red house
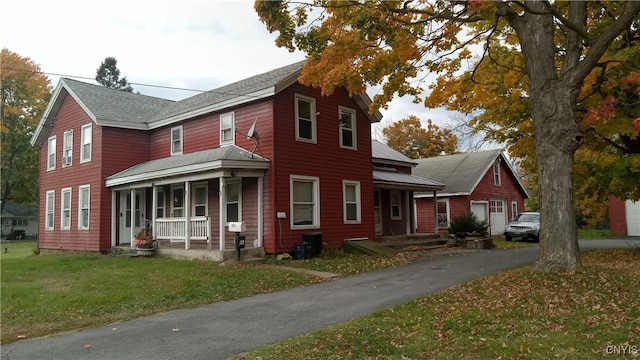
[(482, 182), (624, 217), (278, 156)]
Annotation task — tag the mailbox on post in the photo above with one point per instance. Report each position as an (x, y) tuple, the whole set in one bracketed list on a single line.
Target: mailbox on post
[(238, 227)]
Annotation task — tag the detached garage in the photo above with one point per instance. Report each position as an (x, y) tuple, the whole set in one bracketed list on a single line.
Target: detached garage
[(624, 217)]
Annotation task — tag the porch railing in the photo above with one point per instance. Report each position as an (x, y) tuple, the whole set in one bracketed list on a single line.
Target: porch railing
[(174, 229)]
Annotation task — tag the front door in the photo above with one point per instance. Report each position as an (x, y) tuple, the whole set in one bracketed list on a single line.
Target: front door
[(129, 226), (497, 216), (377, 212)]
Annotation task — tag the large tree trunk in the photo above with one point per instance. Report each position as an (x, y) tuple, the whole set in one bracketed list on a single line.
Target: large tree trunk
[(557, 137)]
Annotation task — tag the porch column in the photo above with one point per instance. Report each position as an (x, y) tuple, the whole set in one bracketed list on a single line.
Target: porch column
[(154, 212), (132, 216), (435, 211), (187, 215), (223, 211), (260, 210), (114, 217), (408, 212)]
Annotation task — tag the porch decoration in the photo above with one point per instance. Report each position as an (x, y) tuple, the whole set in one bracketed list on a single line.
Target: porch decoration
[(144, 243)]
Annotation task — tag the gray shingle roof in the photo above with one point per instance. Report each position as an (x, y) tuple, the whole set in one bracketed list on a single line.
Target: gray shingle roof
[(383, 153), (402, 179), (459, 172)]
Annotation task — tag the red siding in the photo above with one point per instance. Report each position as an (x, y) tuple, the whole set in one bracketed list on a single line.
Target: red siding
[(617, 217)]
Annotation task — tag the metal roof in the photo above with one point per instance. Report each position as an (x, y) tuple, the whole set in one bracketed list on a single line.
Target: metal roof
[(393, 179), (382, 153)]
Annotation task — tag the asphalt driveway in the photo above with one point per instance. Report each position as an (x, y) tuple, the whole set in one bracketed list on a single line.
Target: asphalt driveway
[(224, 329)]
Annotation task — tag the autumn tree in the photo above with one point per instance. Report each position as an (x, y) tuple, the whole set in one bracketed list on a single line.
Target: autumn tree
[(411, 139), (25, 92), (394, 44), (108, 75)]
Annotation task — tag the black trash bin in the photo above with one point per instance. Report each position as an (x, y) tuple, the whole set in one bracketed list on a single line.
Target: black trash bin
[(314, 239), (300, 251)]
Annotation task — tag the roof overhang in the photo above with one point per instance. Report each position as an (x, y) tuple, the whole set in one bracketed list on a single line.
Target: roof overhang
[(401, 181)]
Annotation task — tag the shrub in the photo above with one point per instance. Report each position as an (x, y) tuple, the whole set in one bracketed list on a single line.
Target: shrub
[(468, 223)]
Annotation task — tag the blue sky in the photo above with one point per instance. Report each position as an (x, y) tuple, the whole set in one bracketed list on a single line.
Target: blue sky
[(183, 44)]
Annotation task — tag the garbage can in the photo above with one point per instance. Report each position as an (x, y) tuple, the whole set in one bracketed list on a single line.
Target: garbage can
[(314, 239), (299, 251)]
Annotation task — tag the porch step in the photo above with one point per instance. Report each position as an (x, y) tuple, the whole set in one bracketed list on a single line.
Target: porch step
[(422, 243)]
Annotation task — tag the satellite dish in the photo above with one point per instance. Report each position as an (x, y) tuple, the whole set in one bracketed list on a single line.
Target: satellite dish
[(252, 130)]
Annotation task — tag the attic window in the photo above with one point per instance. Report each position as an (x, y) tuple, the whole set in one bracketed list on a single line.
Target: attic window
[(496, 173), (67, 148), (51, 159)]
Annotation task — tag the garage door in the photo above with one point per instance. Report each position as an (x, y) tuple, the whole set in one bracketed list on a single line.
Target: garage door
[(632, 209)]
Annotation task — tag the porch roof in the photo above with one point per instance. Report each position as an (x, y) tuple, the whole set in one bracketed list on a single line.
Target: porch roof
[(398, 180), (226, 157)]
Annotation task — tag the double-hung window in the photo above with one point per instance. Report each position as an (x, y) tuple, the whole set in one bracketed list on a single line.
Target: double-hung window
[(161, 204), (227, 128), (443, 213), (347, 128), (83, 207), (67, 148), (496, 173), (305, 118), (65, 209), (85, 143), (396, 205), (200, 200), (51, 154), (50, 205), (233, 196), (351, 194), (176, 140), (305, 202)]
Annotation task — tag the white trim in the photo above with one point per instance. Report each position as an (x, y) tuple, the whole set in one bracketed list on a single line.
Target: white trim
[(67, 157), (173, 197), (353, 129), (194, 199), (392, 204), (315, 216), (51, 165), (226, 203), (80, 198), (83, 156), (357, 201), (313, 119), (62, 209), (496, 173), (50, 203), (448, 212), (514, 209), (231, 129), (181, 140)]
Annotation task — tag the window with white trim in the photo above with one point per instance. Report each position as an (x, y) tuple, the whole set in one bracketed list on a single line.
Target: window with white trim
[(67, 148), (443, 213), (514, 209), (50, 204), (85, 143), (496, 173), (51, 154), (176, 140), (233, 195), (351, 195), (83, 207), (200, 200), (396, 205), (160, 198), (347, 128), (305, 202), (65, 209), (177, 201), (305, 118), (227, 127)]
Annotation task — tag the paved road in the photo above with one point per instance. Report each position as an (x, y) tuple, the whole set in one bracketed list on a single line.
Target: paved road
[(224, 329)]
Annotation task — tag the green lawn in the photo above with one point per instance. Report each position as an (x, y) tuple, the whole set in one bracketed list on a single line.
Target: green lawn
[(592, 234), (16, 249)]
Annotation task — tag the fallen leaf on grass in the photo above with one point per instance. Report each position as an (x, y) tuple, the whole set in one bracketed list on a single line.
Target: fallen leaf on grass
[(22, 336)]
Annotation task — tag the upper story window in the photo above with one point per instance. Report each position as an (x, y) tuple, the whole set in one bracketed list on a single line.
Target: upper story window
[(50, 205), (51, 157), (176, 140), (83, 207), (396, 202), (227, 126), (351, 194), (305, 118), (85, 143), (305, 202), (65, 211), (67, 148), (496, 173), (347, 128)]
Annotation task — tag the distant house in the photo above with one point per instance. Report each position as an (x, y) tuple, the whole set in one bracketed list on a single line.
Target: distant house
[(267, 151), (624, 217), (482, 182), (20, 217)]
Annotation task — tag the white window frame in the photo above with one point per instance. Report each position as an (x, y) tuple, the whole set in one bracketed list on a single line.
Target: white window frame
[(86, 137), (50, 206), (51, 153), (194, 199), (82, 208), (312, 120), (179, 141), (497, 181), (395, 194), (447, 214), (161, 198), (173, 202), (315, 202), (65, 210), (342, 111), (229, 202), (353, 202), (514, 209), (67, 148), (227, 130)]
